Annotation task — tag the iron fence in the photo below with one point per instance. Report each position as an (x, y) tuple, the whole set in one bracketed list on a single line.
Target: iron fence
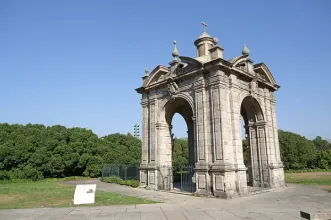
[(181, 177), (125, 172), (184, 178)]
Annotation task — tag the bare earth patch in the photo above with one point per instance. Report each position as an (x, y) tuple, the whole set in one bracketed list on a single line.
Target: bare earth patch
[(321, 180), (5, 198), (313, 174), (325, 187)]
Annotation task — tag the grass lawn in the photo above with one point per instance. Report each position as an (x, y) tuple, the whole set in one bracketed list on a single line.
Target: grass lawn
[(54, 194), (318, 179)]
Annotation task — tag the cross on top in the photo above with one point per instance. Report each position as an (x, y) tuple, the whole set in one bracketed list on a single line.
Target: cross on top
[(204, 24)]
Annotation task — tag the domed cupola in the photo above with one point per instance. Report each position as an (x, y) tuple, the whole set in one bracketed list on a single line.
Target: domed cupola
[(204, 43)]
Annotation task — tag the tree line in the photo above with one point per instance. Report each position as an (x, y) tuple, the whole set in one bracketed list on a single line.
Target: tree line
[(35, 151), (297, 152)]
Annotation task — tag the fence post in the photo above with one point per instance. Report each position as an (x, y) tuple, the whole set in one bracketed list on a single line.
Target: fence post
[(125, 172), (102, 173), (181, 178)]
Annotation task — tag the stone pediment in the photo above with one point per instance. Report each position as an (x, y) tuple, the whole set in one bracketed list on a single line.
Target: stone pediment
[(260, 70), (159, 74), (263, 71), (162, 73)]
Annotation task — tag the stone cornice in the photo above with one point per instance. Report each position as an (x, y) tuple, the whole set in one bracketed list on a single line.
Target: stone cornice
[(221, 64)]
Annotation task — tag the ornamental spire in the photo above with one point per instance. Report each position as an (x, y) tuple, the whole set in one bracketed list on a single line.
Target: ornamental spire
[(146, 72), (175, 52), (245, 50)]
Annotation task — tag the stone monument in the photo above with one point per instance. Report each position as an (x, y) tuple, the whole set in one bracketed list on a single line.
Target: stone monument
[(213, 95)]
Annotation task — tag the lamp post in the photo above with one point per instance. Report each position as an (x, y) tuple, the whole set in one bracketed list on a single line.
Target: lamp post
[(136, 131)]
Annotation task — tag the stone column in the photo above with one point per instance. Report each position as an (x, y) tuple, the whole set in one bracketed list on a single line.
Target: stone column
[(254, 155), (275, 127), (238, 157), (152, 131), (164, 172), (201, 166), (269, 129), (263, 154), (277, 171), (152, 143), (145, 145), (191, 149)]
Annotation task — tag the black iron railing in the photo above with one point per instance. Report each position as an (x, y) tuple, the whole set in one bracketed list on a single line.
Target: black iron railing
[(125, 172)]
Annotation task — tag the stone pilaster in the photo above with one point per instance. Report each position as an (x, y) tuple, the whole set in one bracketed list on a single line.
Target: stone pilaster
[(277, 171), (270, 141), (164, 157), (201, 166), (263, 154), (152, 130), (144, 138)]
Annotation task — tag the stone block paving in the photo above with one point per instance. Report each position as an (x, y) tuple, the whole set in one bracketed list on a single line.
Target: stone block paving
[(279, 204)]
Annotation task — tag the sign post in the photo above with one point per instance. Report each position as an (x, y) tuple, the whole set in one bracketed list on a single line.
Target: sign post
[(84, 194)]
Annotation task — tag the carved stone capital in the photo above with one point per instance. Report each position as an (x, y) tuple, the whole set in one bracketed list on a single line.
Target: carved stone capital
[(161, 125)]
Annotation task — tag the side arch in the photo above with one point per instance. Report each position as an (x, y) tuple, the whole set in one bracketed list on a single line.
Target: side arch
[(254, 102), (168, 99)]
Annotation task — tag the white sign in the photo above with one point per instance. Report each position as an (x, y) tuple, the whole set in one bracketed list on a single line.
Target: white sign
[(85, 194)]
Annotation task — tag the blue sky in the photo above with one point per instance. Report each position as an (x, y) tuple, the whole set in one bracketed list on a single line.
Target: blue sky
[(77, 63)]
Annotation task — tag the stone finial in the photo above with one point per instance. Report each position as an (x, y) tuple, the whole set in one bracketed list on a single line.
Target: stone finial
[(245, 50), (175, 52), (146, 72), (215, 39)]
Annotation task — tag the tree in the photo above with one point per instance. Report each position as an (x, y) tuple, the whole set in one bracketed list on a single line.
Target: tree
[(297, 152), (180, 152), (321, 144)]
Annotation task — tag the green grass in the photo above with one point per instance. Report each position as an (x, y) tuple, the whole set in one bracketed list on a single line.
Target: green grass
[(51, 193), (318, 179)]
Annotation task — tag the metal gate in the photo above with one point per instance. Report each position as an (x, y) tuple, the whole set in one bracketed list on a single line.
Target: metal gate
[(184, 179)]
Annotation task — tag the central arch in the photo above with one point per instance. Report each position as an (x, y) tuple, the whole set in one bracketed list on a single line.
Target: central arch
[(181, 106)]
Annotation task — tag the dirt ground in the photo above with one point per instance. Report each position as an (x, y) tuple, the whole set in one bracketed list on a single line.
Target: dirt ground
[(321, 180), (314, 175)]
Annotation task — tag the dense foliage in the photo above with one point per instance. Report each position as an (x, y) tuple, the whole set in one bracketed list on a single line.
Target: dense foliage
[(35, 151), (180, 152), (297, 152)]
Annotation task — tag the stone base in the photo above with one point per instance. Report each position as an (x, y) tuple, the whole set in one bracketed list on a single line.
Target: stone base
[(220, 180), (277, 177), (202, 179), (156, 178)]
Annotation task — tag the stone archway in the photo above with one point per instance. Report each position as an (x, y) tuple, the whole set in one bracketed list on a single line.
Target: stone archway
[(181, 106), (212, 94), (257, 157)]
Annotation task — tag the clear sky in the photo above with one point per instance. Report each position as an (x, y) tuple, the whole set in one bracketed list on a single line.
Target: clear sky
[(77, 63)]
